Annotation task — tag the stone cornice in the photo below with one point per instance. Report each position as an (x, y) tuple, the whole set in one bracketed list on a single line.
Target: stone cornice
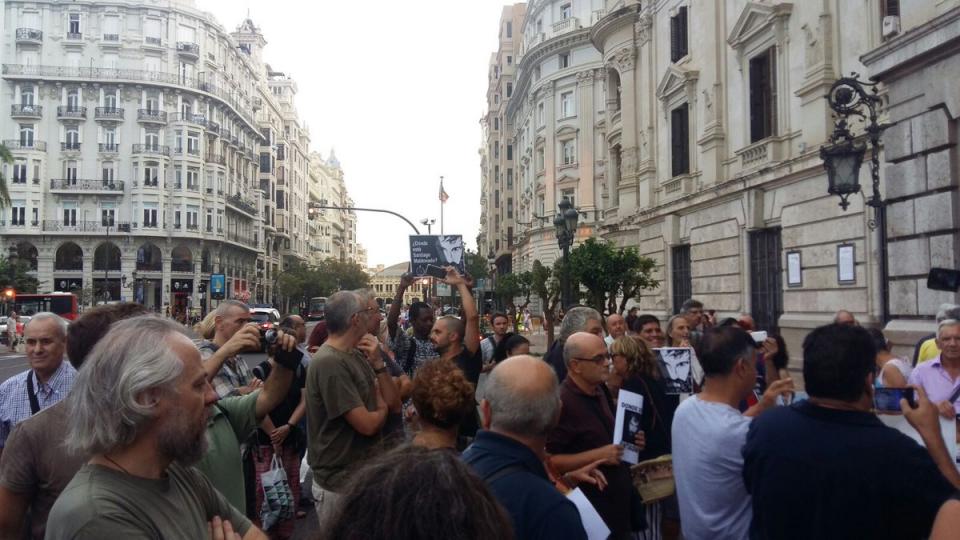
[(535, 55), (901, 53), (612, 22)]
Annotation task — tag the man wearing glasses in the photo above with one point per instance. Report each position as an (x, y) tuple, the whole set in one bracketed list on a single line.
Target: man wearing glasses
[(584, 433), (348, 392)]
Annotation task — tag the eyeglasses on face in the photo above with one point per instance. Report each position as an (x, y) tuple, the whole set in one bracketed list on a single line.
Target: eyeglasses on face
[(598, 359)]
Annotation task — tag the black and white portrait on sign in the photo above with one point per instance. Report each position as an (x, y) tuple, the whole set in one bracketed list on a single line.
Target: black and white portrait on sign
[(438, 250), (631, 425), (675, 363)]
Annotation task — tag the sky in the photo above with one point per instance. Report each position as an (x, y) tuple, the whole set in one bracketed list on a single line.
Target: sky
[(397, 89)]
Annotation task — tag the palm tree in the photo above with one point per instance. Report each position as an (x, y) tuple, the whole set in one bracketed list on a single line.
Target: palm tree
[(5, 157)]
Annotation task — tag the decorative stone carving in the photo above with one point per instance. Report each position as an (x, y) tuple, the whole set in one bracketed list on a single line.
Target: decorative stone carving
[(625, 59), (585, 77), (708, 113), (628, 160), (643, 28), (813, 45)]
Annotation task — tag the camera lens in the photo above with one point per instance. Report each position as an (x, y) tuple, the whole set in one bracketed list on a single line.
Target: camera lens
[(270, 336)]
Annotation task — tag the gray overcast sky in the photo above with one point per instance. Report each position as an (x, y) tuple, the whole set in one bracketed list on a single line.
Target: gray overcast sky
[(398, 90)]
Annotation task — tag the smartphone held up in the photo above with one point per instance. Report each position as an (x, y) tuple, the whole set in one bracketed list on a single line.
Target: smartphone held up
[(887, 400)]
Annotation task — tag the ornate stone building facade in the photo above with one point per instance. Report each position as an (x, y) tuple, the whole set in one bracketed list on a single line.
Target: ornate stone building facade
[(151, 148), (702, 149)]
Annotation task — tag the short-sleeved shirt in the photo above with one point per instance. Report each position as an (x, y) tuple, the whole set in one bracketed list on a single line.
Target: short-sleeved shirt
[(35, 464), (234, 419), (412, 352), (935, 381), (233, 374), (281, 414), (928, 350), (708, 469), (15, 401), (488, 346), (338, 382), (826, 473), (586, 423), (105, 503)]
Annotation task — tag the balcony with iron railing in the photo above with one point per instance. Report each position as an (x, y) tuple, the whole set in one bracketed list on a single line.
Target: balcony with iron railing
[(215, 159), (71, 112), (227, 94), (70, 147), (29, 35), (213, 128), (111, 39), (241, 204), (113, 187), (187, 150), (151, 149), (188, 50), (151, 41), (247, 240), (25, 144), (152, 116), (74, 36), (57, 225), (109, 148), (108, 113), (26, 111)]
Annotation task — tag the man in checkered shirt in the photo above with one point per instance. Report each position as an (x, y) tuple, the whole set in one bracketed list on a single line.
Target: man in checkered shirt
[(49, 377), (226, 370)]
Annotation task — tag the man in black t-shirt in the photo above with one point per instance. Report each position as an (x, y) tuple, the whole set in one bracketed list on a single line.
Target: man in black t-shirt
[(458, 340)]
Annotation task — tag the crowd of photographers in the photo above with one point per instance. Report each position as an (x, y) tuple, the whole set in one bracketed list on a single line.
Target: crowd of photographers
[(435, 431)]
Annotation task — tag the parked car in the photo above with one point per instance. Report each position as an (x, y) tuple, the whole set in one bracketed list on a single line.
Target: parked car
[(265, 319)]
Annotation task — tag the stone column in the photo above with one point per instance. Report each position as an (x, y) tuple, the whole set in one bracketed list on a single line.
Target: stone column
[(165, 279), (625, 62), (549, 149), (585, 141)]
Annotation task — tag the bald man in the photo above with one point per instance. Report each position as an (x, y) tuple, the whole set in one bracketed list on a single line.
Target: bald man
[(520, 408), (584, 433), (616, 328), (844, 317)]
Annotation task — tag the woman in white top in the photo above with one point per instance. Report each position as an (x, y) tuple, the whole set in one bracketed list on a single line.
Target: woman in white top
[(892, 372)]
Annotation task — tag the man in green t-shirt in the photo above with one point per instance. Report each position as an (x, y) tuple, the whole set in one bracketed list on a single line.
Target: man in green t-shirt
[(139, 409), (348, 389)]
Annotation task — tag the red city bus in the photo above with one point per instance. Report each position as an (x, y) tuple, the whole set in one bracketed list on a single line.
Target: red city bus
[(62, 303)]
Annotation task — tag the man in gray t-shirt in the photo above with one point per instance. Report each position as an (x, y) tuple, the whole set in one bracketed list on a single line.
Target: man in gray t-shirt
[(709, 432)]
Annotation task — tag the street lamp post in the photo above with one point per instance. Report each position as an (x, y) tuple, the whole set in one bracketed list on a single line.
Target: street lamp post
[(492, 260), (565, 223), (428, 223), (842, 157)]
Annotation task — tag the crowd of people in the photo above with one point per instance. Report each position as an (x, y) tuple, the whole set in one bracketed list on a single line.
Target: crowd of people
[(418, 426)]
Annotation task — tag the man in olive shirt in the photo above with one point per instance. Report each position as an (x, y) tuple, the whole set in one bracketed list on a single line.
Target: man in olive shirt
[(348, 388), (139, 408)]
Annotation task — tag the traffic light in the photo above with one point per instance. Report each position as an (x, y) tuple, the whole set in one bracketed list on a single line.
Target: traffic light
[(9, 294)]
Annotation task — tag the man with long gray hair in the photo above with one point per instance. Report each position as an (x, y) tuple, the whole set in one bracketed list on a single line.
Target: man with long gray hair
[(577, 319), (139, 410), (520, 407)]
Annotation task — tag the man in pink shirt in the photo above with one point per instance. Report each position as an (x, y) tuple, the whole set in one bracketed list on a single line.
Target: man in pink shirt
[(940, 377)]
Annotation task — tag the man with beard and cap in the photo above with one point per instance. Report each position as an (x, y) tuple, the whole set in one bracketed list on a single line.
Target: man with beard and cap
[(139, 410)]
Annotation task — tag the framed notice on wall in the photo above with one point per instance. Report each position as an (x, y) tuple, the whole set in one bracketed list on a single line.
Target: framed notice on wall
[(794, 269), (846, 264)]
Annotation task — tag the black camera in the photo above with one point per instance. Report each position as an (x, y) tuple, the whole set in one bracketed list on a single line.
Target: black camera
[(268, 344)]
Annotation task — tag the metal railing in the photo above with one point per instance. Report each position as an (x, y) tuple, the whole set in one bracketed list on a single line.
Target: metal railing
[(195, 151), (213, 127), (155, 41), (215, 158), (80, 226), (226, 94), (75, 35), (26, 110), (72, 146), (185, 47), (159, 149), (71, 111), (108, 113), (150, 115), (86, 184), (21, 144), (242, 204), (111, 148), (29, 34), (111, 37)]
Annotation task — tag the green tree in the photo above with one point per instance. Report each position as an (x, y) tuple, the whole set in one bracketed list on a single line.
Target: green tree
[(512, 286), (545, 285), (301, 282), (17, 276), (609, 273), (476, 265), (5, 157)]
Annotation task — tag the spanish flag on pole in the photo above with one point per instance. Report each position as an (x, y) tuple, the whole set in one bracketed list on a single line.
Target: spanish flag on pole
[(443, 194)]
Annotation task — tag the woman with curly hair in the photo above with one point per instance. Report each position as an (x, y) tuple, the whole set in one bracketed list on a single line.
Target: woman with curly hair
[(443, 398)]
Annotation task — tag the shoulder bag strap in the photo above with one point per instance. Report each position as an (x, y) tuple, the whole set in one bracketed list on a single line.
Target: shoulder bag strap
[(32, 394)]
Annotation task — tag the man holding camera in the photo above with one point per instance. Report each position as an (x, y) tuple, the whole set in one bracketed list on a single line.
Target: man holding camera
[(227, 372)]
